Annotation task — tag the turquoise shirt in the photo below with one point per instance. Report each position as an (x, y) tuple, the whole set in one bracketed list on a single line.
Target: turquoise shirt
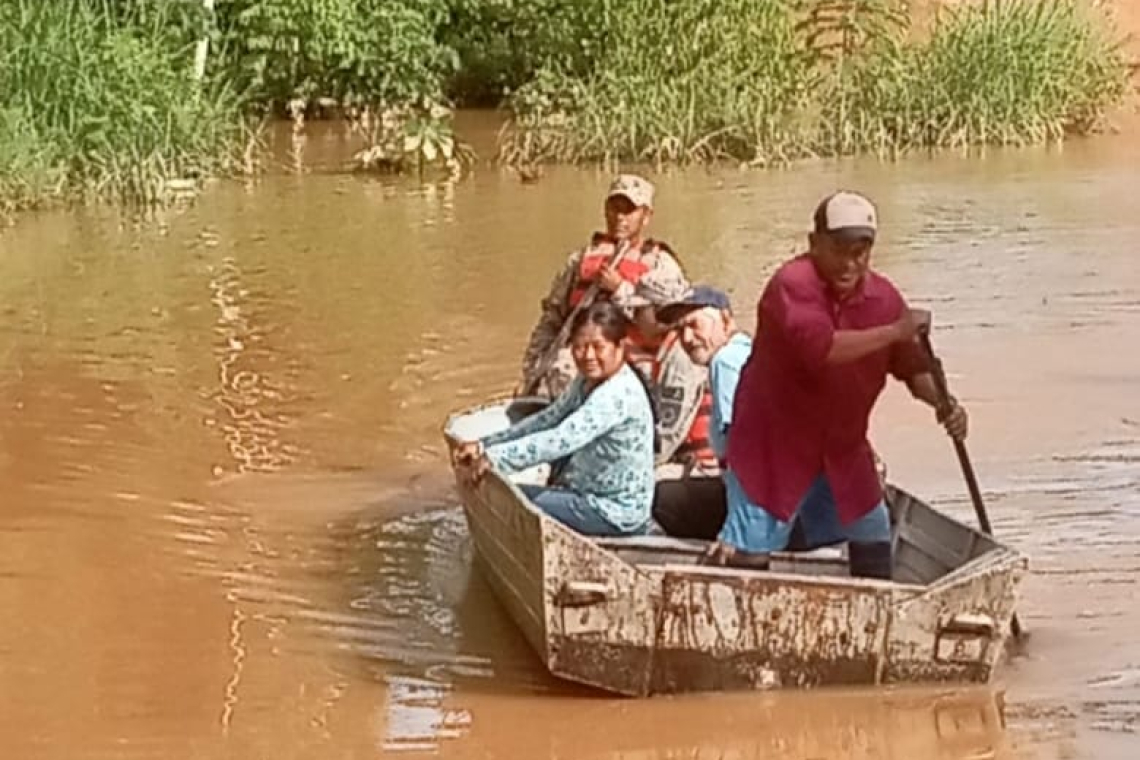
[(608, 437), (724, 374)]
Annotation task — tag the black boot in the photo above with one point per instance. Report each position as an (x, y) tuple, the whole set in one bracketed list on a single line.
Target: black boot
[(870, 560), (797, 541)]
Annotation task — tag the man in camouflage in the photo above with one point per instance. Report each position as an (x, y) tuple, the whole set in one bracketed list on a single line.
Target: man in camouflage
[(647, 270), (677, 383)]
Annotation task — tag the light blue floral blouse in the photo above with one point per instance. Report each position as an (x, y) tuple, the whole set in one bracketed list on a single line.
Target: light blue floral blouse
[(608, 437)]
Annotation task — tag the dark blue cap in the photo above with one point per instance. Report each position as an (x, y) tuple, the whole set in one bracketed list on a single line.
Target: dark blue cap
[(699, 297)]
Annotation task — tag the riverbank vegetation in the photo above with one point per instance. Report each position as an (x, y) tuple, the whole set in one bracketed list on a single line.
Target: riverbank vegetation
[(133, 99), (129, 99), (99, 101), (688, 81)]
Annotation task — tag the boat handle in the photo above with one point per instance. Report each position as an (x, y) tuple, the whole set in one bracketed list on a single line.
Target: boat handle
[(581, 594), (967, 624)]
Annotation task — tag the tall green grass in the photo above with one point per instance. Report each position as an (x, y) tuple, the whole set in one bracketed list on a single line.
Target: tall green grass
[(1008, 72), (97, 97), (94, 105), (769, 80), (676, 81)]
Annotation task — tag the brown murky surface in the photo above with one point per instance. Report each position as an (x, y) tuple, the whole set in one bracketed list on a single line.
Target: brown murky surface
[(227, 529)]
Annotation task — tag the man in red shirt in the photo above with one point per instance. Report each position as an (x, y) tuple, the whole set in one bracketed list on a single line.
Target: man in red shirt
[(829, 331)]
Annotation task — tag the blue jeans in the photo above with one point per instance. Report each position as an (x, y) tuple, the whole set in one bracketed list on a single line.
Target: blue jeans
[(572, 509), (749, 527)]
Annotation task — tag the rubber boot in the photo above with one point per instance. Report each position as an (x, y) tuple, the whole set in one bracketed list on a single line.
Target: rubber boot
[(870, 560), (797, 541)]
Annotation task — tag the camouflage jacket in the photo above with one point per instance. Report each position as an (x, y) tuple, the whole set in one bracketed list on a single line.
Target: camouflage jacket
[(664, 280), (678, 388)]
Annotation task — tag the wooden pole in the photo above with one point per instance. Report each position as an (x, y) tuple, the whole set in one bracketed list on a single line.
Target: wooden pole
[(945, 403), (203, 47)]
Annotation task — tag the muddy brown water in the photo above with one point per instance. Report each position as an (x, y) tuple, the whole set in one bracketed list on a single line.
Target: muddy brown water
[(227, 528)]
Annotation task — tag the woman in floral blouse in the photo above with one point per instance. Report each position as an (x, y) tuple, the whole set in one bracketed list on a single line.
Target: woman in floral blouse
[(599, 432)]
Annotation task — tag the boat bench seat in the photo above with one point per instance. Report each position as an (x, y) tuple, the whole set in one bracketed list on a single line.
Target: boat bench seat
[(652, 542), (668, 545)]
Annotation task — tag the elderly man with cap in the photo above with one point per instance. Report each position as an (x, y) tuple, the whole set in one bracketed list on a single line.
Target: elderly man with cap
[(705, 329), (829, 332), (646, 272)]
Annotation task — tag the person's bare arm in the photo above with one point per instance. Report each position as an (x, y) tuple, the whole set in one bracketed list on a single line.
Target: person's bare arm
[(953, 417)]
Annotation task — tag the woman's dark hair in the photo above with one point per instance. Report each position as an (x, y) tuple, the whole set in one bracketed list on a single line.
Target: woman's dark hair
[(610, 319), (615, 326)]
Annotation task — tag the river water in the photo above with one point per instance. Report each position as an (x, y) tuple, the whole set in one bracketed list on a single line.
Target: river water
[(227, 528)]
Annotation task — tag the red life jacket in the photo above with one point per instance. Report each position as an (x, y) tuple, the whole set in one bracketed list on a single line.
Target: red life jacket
[(697, 444), (640, 352), (631, 270)]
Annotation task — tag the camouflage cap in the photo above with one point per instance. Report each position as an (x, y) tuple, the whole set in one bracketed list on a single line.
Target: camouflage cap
[(661, 294), (637, 189)]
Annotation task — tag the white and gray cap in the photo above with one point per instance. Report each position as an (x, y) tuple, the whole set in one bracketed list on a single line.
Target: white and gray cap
[(847, 215)]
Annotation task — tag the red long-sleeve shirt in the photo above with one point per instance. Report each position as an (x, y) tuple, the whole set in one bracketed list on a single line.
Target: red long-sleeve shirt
[(796, 416)]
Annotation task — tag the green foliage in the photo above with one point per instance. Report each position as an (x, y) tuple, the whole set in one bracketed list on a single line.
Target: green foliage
[(98, 96), (768, 80), (1017, 71), (400, 138), (29, 164), (378, 62), (851, 43), (695, 80), (839, 32), (356, 52), (503, 44), (95, 106)]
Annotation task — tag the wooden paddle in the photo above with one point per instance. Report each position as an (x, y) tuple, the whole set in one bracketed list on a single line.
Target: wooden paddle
[(945, 404), (564, 333)]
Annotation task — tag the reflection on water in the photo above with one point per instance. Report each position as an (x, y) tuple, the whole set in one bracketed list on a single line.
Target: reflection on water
[(252, 435), (227, 529), (415, 716)]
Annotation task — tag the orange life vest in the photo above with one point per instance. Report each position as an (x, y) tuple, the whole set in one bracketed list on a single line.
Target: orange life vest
[(631, 270), (697, 444), (640, 352)]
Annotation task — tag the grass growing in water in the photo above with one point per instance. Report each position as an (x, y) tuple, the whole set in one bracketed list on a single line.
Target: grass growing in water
[(675, 81), (90, 106), (1011, 72), (764, 80), (97, 97)]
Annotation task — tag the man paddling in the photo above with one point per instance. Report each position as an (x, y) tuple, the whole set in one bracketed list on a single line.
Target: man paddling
[(709, 333), (646, 268), (829, 332)]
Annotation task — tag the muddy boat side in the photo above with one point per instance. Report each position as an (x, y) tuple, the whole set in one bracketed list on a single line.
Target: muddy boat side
[(638, 616)]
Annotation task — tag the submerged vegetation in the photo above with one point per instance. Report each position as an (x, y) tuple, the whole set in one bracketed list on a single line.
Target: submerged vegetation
[(129, 99)]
